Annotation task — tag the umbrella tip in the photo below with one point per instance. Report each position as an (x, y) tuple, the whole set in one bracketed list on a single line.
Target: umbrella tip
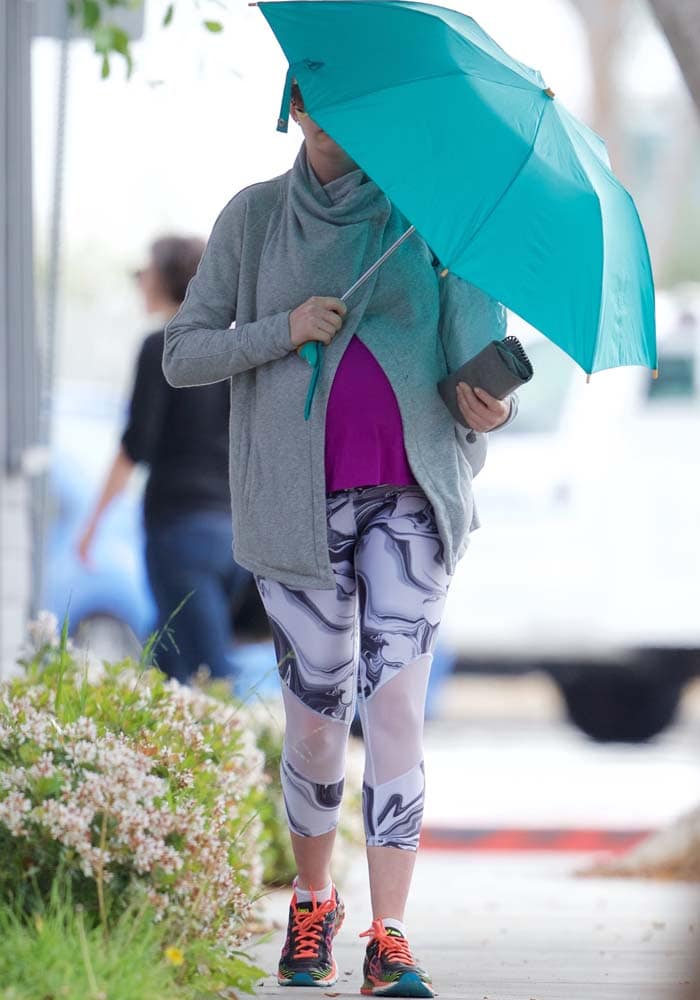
[(655, 373), (445, 271), (588, 379), (549, 92)]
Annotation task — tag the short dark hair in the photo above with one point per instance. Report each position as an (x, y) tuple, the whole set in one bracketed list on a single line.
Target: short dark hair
[(296, 95), (175, 259)]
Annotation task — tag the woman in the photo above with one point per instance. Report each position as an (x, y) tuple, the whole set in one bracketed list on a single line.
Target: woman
[(358, 514), (183, 437)]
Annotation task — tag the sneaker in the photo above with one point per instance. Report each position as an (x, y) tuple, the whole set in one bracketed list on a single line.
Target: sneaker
[(390, 969), (307, 956)]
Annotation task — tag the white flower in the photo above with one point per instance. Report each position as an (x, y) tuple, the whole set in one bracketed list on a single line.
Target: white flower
[(42, 631), (162, 805), (13, 811)]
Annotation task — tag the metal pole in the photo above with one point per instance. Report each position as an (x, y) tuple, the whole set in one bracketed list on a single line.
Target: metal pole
[(41, 492), (377, 264)]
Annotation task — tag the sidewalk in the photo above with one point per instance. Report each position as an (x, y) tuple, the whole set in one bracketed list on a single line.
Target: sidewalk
[(521, 928)]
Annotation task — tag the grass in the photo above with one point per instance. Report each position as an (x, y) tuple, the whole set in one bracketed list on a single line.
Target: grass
[(58, 954)]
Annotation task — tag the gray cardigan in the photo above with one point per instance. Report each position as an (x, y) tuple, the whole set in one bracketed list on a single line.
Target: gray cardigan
[(277, 473)]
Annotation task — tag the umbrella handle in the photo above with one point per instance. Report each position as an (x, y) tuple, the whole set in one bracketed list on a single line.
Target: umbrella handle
[(311, 352)]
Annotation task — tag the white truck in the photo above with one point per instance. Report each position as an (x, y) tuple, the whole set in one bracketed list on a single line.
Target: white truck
[(588, 561)]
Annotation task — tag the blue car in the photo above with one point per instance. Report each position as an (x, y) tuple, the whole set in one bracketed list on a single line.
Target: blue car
[(114, 589)]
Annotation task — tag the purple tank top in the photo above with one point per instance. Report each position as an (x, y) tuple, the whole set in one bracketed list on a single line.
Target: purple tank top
[(364, 433)]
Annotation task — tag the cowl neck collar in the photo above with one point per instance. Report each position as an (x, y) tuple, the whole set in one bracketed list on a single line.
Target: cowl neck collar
[(323, 238), (352, 198)]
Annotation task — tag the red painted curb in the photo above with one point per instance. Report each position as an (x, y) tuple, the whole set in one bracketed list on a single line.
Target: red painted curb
[(451, 839)]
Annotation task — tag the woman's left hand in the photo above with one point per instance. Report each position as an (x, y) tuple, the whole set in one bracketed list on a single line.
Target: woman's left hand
[(480, 410)]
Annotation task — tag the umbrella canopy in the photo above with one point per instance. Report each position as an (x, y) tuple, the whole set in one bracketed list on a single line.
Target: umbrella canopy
[(509, 189)]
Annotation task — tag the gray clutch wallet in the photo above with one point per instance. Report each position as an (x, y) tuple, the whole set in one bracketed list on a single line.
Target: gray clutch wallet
[(499, 368)]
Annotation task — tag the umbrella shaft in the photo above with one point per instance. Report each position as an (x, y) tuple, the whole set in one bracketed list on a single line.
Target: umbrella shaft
[(377, 264)]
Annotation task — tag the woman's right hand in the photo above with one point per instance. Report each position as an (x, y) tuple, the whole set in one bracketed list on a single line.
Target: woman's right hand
[(319, 318)]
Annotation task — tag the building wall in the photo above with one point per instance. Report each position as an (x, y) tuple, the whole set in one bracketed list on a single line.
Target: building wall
[(15, 567), (19, 354)]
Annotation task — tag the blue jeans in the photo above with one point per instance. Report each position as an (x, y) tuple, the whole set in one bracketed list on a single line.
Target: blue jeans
[(191, 554)]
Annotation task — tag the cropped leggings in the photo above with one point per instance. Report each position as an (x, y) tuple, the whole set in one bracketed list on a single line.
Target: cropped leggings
[(368, 643)]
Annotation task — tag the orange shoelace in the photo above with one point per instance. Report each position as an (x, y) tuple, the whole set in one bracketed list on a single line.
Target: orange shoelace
[(395, 948), (308, 927)]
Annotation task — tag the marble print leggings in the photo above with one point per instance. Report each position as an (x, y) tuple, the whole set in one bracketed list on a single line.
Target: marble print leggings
[(367, 644)]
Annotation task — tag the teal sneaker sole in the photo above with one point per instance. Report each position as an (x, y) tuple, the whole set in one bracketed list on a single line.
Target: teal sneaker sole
[(409, 985), (304, 979)]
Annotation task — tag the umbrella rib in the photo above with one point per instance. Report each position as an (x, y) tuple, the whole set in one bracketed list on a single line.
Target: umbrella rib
[(471, 43), (503, 194), (509, 185), (433, 76)]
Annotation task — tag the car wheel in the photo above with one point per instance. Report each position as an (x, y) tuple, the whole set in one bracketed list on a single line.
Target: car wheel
[(615, 705), (107, 638)]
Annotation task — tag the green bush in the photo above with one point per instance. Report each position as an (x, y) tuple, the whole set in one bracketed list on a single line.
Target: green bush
[(138, 820), (279, 868), (124, 789)]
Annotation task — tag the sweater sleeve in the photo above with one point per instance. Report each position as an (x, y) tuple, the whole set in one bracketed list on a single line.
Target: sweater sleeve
[(148, 405), (469, 320), (200, 345)]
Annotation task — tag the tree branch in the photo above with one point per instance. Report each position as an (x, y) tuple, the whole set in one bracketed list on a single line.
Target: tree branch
[(680, 22)]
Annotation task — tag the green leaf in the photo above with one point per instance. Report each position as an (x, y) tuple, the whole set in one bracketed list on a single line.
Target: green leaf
[(103, 39), (168, 15), (213, 26), (91, 14), (63, 661), (120, 41), (105, 67)]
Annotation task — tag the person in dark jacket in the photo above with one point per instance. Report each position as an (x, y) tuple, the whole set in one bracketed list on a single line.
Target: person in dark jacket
[(184, 439)]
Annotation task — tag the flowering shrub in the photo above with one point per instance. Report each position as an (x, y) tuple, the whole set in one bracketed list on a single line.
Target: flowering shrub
[(125, 779), (128, 801)]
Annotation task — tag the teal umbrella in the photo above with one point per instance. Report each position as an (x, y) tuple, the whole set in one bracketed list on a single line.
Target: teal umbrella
[(509, 189)]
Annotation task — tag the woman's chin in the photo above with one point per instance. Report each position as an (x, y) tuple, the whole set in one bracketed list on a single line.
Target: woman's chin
[(325, 142)]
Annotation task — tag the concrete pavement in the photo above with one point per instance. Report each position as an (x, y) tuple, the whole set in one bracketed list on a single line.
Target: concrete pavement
[(495, 926), (521, 927)]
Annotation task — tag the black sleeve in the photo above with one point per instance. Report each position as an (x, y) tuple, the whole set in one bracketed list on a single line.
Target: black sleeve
[(148, 404)]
